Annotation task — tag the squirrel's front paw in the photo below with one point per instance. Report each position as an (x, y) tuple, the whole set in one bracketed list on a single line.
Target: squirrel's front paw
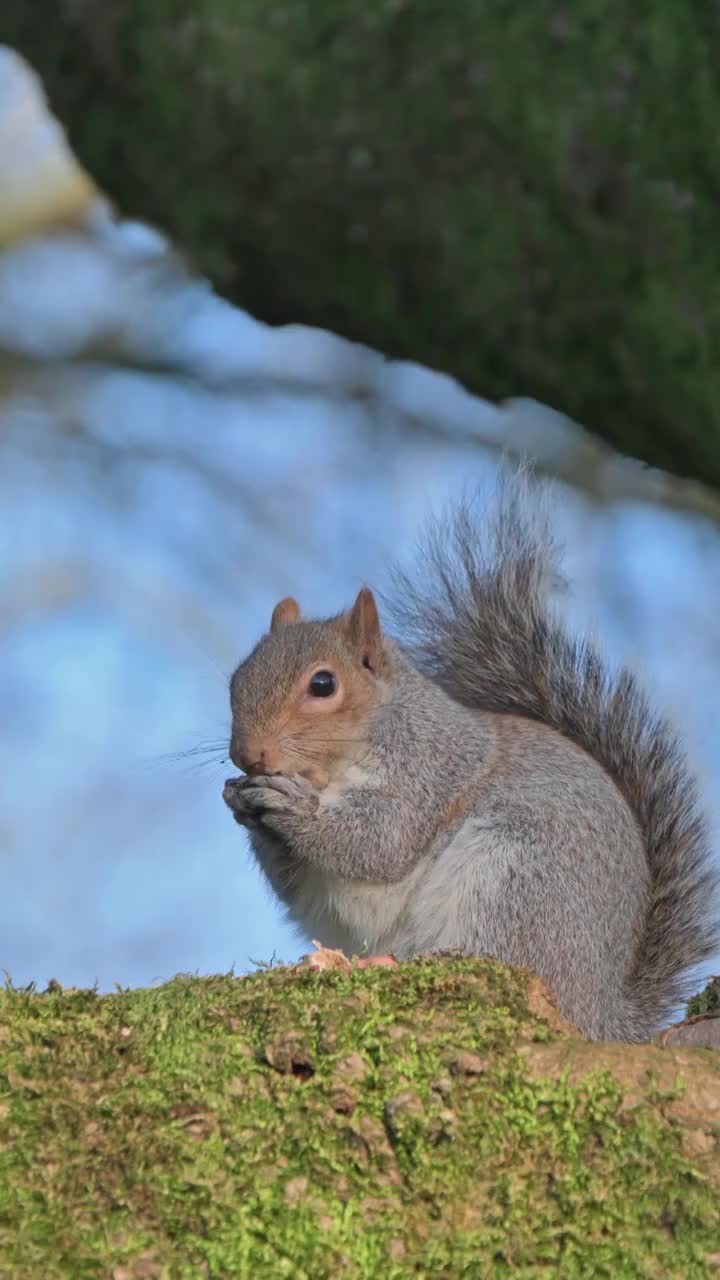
[(235, 799), (271, 799)]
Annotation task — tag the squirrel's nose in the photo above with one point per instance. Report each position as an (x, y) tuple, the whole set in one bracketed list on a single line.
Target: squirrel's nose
[(250, 761)]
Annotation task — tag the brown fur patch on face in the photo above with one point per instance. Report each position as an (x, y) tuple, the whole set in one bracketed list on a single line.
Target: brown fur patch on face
[(271, 723)]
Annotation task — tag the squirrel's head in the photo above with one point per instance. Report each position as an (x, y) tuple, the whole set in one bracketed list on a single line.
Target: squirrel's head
[(301, 701)]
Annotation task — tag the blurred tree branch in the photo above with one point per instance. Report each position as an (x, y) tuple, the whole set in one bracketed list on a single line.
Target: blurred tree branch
[(427, 406)]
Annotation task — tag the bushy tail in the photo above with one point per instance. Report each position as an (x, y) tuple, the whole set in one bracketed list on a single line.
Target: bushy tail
[(479, 622)]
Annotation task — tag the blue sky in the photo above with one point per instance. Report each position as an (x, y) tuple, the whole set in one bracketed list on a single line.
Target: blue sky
[(120, 865), (151, 520)]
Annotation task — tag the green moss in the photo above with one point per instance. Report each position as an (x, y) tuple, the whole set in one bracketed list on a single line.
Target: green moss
[(522, 195), (398, 1122)]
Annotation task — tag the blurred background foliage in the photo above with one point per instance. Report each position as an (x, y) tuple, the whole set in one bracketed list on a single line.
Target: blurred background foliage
[(524, 196)]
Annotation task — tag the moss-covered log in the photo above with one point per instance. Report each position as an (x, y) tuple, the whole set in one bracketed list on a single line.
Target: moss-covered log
[(434, 1119), (523, 195)]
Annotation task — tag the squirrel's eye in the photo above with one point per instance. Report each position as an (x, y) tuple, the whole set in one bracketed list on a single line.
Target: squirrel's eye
[(323, 684)]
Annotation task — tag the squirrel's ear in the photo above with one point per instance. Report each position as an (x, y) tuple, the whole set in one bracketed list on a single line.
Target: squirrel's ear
[(363, 628), (284, 613)]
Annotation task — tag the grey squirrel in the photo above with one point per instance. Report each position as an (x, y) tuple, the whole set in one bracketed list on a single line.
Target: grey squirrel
[(483, 785)]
